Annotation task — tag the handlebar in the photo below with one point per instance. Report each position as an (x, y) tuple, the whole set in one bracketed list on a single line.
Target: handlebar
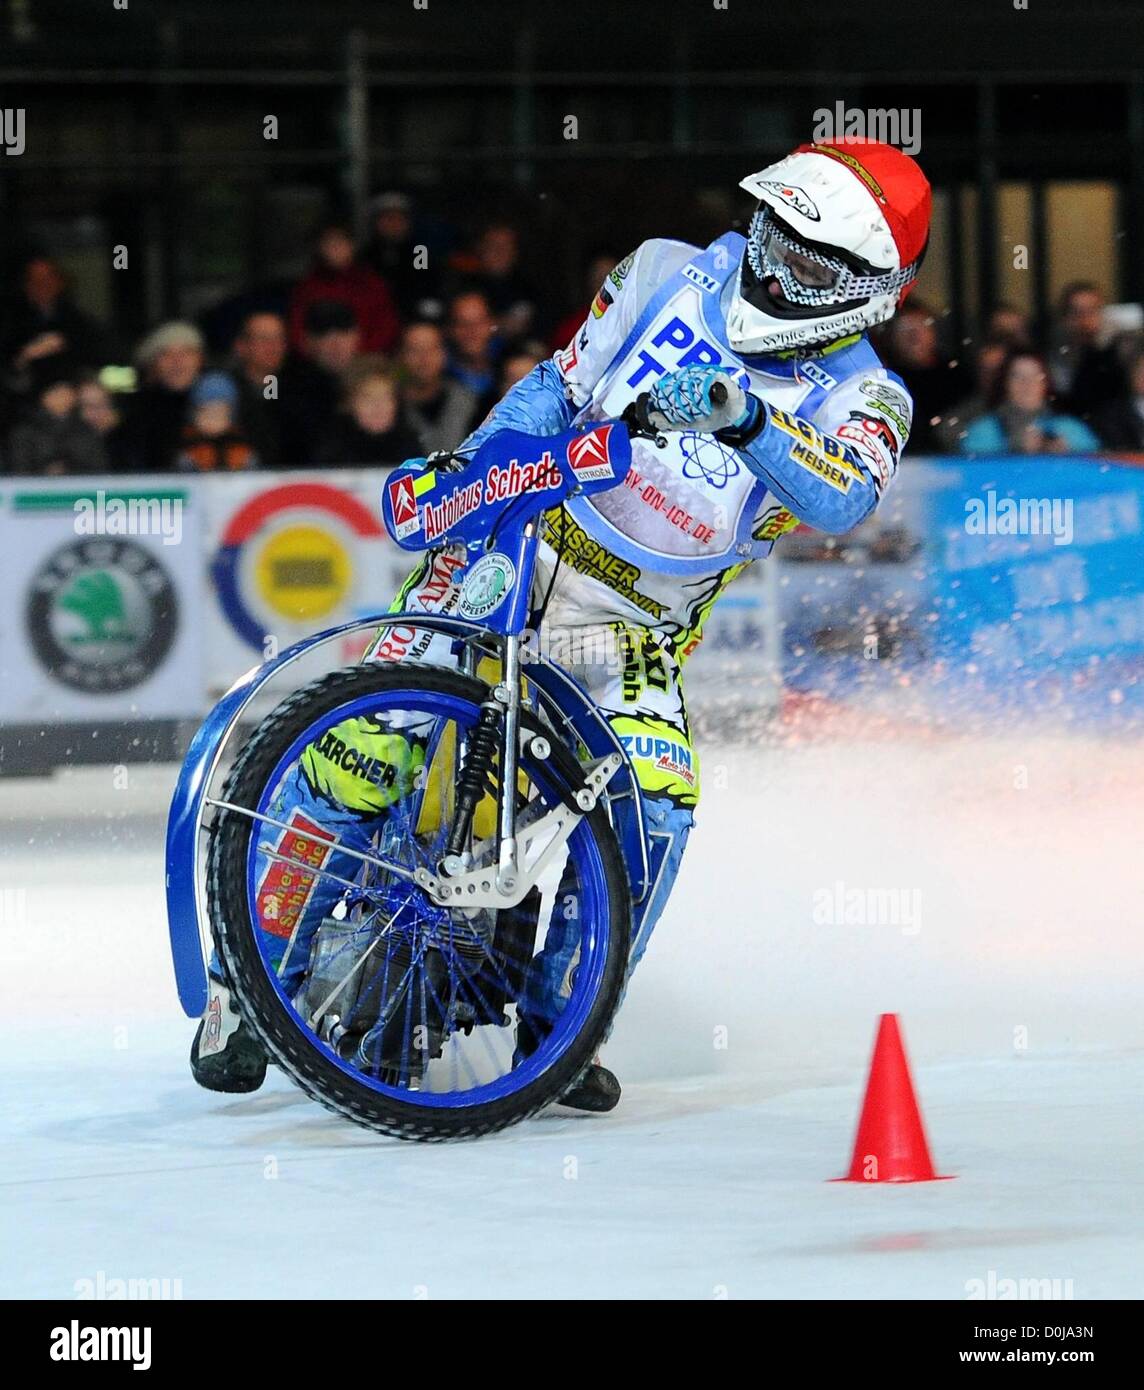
[(635, 415)]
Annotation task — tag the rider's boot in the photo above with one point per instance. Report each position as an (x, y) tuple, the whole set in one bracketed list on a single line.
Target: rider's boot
[(225, 1055), (597, 1088)]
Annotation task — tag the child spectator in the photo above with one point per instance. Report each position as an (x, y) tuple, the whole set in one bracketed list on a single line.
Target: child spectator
[(1023, 421), (54, 440), (369, 430), (99, 410), (212, 439)]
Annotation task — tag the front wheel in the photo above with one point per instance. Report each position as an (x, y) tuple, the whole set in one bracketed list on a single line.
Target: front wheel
[(413, 1019)]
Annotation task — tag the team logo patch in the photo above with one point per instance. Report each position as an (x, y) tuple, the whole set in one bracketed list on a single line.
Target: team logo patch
[(706, 282), (705, 457), (486, 585), (817, 375), (620, 273), (590, 458), (793, 197), (567, 358)]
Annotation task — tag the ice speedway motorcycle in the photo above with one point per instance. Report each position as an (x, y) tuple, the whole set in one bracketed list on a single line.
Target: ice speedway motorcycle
[(507, 816)]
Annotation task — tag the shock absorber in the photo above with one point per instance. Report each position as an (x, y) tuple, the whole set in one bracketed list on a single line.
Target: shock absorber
[(473, 777)]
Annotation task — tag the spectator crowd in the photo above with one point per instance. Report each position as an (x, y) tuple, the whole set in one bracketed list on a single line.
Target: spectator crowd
[(372, 357)]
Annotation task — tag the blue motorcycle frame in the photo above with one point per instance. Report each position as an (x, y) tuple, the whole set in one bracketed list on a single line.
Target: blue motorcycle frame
[(491, 506)]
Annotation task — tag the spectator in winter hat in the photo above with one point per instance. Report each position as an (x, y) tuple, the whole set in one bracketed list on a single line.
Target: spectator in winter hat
[(338, 275), (212, 440), (54, 440), (169, 360), (393, 252)]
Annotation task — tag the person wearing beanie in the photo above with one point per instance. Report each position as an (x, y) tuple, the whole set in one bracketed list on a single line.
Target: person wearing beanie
[(213, 441), (169, 361)]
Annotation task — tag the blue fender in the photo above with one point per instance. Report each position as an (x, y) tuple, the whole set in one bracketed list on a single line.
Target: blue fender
[(186, 904), (186, 889)]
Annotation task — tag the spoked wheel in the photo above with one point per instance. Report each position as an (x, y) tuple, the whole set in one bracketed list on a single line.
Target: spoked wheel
[(420, 1021)]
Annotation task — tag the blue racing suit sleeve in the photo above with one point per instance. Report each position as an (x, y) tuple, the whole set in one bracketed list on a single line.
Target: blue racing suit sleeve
[(537, 404), (817, 476)]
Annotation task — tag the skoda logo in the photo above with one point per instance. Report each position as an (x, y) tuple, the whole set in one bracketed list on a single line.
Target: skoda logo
[(101, 615)]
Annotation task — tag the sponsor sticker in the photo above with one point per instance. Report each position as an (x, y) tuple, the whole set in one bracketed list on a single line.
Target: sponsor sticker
[(707, 283), (590, 457), (101, 615), (286, 888), (486, 585), (793, 197), (403, 502)]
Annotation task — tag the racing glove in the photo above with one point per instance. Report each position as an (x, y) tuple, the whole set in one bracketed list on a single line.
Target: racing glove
[(706, 399)]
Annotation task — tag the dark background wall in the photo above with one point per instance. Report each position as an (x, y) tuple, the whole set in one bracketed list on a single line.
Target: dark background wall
[(145, 127)]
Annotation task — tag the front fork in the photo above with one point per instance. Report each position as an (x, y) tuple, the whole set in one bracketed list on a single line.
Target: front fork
[(475, 760)]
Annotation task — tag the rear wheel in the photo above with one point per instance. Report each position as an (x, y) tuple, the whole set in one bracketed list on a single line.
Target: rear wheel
[(416, 1020)]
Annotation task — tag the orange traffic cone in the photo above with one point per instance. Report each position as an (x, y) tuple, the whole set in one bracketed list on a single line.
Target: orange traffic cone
[(890, 1145)]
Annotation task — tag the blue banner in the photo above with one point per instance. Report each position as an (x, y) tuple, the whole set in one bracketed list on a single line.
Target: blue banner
[(979, 586)]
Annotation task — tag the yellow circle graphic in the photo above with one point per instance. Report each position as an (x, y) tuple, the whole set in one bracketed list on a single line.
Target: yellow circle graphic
[(303, 572)]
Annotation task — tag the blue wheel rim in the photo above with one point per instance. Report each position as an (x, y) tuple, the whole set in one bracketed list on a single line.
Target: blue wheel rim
[(595, 926)]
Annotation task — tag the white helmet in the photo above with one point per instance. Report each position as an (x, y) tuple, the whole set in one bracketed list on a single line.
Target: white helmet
[(833, 248)]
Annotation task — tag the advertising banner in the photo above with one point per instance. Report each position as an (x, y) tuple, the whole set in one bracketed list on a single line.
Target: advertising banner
[(100, 618)]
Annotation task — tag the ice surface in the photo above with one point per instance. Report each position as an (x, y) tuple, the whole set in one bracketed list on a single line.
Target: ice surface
[(1019, 864)]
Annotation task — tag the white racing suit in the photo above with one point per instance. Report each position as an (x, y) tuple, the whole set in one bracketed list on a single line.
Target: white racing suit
[(641, 566)]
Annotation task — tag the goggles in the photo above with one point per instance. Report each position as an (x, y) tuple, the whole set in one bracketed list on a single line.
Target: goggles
[(808, 276)]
